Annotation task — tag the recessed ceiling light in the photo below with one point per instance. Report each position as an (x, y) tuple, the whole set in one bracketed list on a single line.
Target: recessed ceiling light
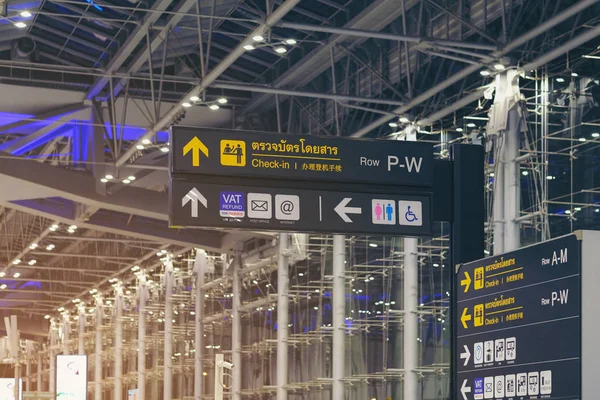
[(280, 50), (17, 261), (164, 149), (485, 72), (582, 139), (258, 38), (194, 98), (560, 80), (291, 42), (222, 100), (499, 67), (20, 24), (131, 178), (186, 105), (574, 74), (249, 47), (373, 244), (140, 147), (525, 173), (214, 107), (595, 134), (146, 141), (126, 181), (459, 129), (471, 125), (16, 275), (25, 14), (109, 177)]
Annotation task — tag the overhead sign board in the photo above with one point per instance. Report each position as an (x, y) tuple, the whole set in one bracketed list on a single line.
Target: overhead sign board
[(196, 204), (300, 157), (7, 389), (518, 328)]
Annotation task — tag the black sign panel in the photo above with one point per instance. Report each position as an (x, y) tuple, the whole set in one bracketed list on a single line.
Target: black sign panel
[(195, 204), (518, 328), (300, 157)]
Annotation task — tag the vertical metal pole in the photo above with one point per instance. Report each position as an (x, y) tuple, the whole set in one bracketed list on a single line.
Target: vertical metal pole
[(282, 316), (38, 372), (219, 376), (236, 330), (66, 332), (28, 349), (118, 343), (168, 348), (155, 356), (199, 326), (141, 369), (80, 337), (512, 182), (411, 327), (52, 357), (98, 354), (498, 207), (338, 310)]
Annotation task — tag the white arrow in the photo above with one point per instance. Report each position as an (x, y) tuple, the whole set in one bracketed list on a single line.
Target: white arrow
[(466, 355), (464, 389), (194, 196), (342, 209)]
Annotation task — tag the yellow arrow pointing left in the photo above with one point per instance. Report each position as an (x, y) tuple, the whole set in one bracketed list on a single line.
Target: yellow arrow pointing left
[(465, 317), (195, 146), (466, 282)]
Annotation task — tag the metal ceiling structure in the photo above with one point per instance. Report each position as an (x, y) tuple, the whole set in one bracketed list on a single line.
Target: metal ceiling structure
[(90, 87)]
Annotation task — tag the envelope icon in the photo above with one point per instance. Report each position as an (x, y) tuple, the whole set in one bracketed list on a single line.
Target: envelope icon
[(259, 205)]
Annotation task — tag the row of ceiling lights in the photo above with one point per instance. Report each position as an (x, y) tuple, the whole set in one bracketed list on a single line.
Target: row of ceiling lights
[(212, 105), (110, 177), (21, 24), (279, 47)]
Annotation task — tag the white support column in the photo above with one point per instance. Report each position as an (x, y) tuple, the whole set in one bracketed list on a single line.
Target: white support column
[(200, 267), (141, 364), (219, 376), (498, 207), (411, 319), (236, 330), (98, 354), (80, 336), (38, 372), (29, 355), (154, 383), (338, 310), (168, 347), (282, 316), (512, 181), (66, 328), (52, 357), (118, 389)]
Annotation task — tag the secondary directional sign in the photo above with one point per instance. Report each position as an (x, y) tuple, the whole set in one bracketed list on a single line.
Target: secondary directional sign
[(519, 324), (197, 204), (300, 157)]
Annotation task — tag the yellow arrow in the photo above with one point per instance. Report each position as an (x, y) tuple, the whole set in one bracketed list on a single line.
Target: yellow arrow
[(465, 317), (195, 146), (466, 282)]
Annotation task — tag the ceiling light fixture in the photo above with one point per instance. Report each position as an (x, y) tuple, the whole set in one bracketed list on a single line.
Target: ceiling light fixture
[(459, 129), (17, 262), (104, 180), (146, 141), (214, 107), (525, 173), (50, 247), (164, 149), (258, 38), (499, 67), (574, 74), (33, 246), (595, 134), (373, 244), (20, 24), (249, 47), (186, 105), (485, 72), (404, 120), (194, 98), (32, 262), (109, 176), (16, 275), (560, 80), (582, 139), (291, 42), (471, 125), (126, 181), (25, 14), (3, 286), (393, 124), (53, 227), (280, 50), (74, 227), (131, 178), (222, 100)]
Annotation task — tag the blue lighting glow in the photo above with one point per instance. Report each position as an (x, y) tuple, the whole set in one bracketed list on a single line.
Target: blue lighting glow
[(97, 7)]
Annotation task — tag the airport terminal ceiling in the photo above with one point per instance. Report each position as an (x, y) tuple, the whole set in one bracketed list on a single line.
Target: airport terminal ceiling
[(90, 88)]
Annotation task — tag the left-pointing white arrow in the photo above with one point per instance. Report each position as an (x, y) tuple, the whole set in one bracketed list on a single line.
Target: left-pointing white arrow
[(342, 209), (466, 355), (194, 196), (464, 389)]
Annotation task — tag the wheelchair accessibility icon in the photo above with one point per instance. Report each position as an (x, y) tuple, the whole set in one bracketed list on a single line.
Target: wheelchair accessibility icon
[(410, 213)]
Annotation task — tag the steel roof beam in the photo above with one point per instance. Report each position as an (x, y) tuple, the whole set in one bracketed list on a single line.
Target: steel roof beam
[(211, 77), (129, 46), (515, 44), (301, 93)]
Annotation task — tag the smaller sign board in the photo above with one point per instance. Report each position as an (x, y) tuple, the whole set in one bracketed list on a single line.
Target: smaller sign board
[(7, 391), (318, 158), (195, 204), (71, 377)]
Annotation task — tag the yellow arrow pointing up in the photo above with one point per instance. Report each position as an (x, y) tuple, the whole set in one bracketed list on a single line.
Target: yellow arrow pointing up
[(465, 317), (195, 146), (466, 282)]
